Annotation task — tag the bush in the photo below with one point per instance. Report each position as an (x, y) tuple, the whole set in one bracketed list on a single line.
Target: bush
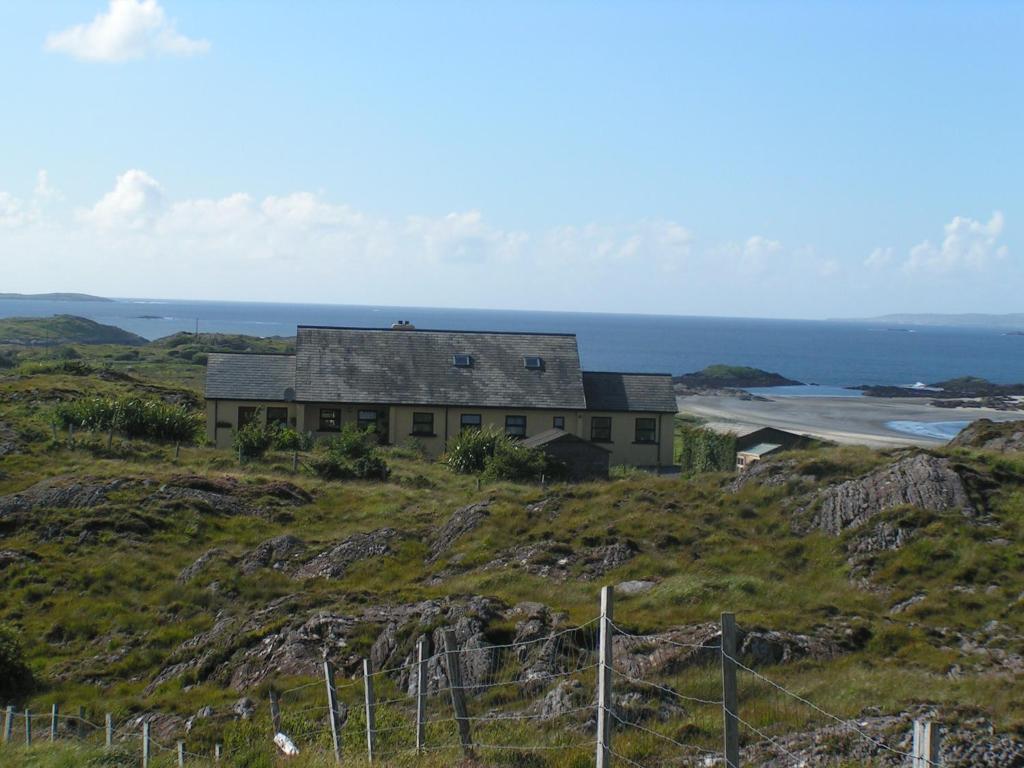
[(353, 455), (254, 439), (518, 464), (15, 676), (131, 417), (702, 450), (469, 451)]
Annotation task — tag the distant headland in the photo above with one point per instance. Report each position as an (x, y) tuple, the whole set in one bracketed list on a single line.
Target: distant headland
[(51, 297), (1013, 320)]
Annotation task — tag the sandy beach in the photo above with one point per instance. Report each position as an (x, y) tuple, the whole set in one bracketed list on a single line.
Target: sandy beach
[(847, 420)]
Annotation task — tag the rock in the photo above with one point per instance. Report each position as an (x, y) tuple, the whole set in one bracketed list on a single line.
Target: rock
[(553, 560), (281, 553), (60, 493), (228, 495), (202, 562), (463, 521), (903, 605), (922, 481), (562, 699), (634, 587), (14, 556), (332, 563), (1005, 437), (244, 708)]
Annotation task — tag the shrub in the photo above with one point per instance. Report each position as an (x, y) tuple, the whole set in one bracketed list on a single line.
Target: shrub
[(254, 439), (131, 417), (288, 439), (15, 676), (701, 450), (469, 451), (353, 454), (518, 464)]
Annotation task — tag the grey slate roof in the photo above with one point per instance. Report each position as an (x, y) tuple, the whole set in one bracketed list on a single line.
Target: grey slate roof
[(650, 392), (555, 435), (414, 367), (250, 377)]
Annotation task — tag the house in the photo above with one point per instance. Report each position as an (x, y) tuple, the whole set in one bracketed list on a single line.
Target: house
[(429, 385), (583, 459)]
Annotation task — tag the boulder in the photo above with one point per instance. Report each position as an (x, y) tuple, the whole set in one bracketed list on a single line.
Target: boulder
[(332, 563), (921, 481), (281, 553), (463, 521)]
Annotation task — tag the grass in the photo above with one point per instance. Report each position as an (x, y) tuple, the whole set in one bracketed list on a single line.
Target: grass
[(98, 618)]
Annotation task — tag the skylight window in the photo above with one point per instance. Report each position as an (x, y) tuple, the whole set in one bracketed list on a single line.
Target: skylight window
[(462, 361), (533, 363)]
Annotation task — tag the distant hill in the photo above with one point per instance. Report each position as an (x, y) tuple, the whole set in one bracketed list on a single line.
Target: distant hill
[(1012, 321), (51, 297), (63, 329)]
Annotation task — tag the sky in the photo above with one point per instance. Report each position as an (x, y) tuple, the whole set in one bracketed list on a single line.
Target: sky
[(770, 159)]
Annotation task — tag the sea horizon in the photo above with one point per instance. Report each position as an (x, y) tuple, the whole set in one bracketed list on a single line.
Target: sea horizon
[(831, 352)]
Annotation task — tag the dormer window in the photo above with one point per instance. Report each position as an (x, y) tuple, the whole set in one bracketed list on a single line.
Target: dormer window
[(533, 363), (462, 361)]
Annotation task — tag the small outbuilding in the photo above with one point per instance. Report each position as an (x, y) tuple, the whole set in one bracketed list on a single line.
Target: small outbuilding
[(755, 442), (583, 459)]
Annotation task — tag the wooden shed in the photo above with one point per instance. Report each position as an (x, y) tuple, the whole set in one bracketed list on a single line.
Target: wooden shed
[(583, 459)]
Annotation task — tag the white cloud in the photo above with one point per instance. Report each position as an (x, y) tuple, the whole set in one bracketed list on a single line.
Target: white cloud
[(12, 211), (880, 257), (757, 253), (968, 243), (135, 202), (44, 190), (130, 29)]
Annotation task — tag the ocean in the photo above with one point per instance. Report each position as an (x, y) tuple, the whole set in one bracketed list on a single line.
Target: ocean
[(828, 353)]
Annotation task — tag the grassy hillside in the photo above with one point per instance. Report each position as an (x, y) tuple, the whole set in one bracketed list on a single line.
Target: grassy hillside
[(63, 329), (140, 583)]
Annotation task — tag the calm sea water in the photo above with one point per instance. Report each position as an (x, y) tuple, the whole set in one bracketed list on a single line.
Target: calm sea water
[(828, 353)]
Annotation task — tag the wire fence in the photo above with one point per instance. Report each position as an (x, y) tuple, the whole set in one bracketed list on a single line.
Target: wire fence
[(595, 692)]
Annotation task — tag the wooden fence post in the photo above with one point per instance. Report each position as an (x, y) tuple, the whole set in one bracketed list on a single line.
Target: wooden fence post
[(729, 703), (275, 713), (181, 754), (80, 729), (108, 728), (371, 720), (926, 744), (145, 745), (451, 653), (28, 728), (421, 693), (8, 724), (604, 681), (332, 705), (54, 714)]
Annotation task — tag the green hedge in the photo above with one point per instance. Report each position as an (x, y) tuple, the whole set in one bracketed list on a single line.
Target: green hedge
[(701, 450)]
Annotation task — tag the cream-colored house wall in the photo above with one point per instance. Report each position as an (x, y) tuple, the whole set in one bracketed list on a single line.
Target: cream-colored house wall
[(305, 417), (623, 445), (222, 417)]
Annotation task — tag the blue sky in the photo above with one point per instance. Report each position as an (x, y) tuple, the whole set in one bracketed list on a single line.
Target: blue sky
[(767, 159)]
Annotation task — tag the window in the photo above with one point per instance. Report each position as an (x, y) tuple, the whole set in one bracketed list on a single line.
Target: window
[(515, 426), (367, 419), (246, 415), (462, 361), (601, 429), (470, 421), (533, 363), (277, 416), (423, 424), (646, 430), (558, 422), (330, 420)]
